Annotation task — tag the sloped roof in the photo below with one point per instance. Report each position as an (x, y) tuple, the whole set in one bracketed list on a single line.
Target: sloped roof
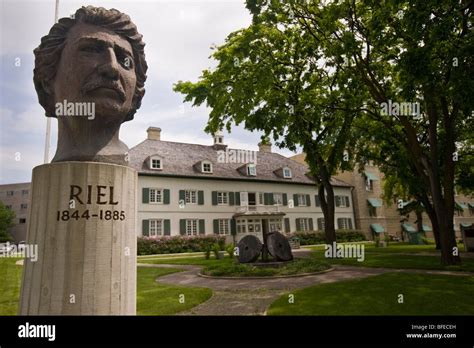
[(179, 160)]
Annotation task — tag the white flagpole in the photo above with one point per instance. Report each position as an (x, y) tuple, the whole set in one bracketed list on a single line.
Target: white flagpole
[(48, 119)]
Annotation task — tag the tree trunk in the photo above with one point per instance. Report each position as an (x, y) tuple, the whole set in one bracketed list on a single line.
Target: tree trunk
[(419, 220), (327, 206)]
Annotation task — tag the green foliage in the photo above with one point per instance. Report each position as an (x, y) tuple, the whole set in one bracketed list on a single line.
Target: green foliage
[(6, 221), (318, 237), (215, 249), (236, 269), (177, 244), (230, 250)]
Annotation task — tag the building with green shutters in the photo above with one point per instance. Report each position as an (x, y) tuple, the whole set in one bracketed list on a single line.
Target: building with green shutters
[(191, 189)]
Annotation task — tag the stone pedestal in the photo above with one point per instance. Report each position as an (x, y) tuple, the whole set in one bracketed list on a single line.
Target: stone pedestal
[(83, 218)]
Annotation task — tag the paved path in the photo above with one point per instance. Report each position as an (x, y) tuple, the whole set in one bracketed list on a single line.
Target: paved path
[(254, 296)]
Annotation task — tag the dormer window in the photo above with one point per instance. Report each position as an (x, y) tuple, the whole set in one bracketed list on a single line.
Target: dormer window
[(251, 170), (206, 167), (156, 163), (287, 173)]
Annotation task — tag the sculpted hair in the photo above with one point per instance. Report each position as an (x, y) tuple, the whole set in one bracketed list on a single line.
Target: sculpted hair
[(48, 53)]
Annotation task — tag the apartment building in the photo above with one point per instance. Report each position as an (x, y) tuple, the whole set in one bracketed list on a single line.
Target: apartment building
[(17, 197), (374, 216)]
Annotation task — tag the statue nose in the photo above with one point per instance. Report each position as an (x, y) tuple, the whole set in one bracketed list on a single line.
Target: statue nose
[(110, 67)]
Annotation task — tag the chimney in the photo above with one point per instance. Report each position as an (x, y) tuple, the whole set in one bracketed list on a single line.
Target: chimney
[(154, 133), (265, 146), (219, 141)]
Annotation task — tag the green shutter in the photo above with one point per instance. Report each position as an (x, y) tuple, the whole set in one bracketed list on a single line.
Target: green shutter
[(311, 226), (298, 227), (214, 197), (231, 198), (270, 198), (181, 195), (237, 198), (285, 199), (182, 227), (339, 223), (320, 223), (201, 226), (216, 226), (295, 199), (347, 201), (308, 200), (145, 195), (337, 200), (350, 223), (266, 198), (233, 227), (200, 197), (317, 200), (287, 225), (145, 227), (166, 196), (167, 230)]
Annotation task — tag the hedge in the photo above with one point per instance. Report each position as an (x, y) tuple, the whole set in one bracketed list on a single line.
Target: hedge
[(177, 244), (317, 237)]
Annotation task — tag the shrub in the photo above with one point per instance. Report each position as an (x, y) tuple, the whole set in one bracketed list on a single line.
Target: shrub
[(215, 249), (317, 237), (177, 244), (230, 250)]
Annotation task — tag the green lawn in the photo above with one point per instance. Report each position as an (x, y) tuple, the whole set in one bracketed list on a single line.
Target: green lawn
[(392, 257), (395, 247), (378, 295), (152, 298), (10, 279), (159, 299)]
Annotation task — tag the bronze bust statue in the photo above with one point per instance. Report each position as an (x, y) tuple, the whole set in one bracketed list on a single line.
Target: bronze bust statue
[(90, 72)]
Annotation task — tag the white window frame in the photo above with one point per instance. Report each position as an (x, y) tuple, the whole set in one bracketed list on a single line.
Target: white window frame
[(304, 224), (190, 196), (23, 206), (342, 201), (301, 200), (206, 163), (244, 199), (155, 227), (224, 226), (275, 224), (277, 198), (251, 169), (344, 223), (192, 227), (222, 198), (369, 185), (155, 158), (287, 173), (156, 193), (323, 223), (260, 198)]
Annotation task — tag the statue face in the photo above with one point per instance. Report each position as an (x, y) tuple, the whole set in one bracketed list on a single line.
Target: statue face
[(96, 66)]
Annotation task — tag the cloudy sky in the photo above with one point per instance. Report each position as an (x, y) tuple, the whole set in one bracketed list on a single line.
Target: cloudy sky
[(178, 36)]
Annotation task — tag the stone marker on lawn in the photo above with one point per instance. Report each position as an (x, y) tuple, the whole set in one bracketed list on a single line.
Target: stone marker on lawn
[(89, 72)]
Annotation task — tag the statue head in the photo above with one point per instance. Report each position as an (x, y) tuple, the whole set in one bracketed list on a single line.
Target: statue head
[(96, 57)]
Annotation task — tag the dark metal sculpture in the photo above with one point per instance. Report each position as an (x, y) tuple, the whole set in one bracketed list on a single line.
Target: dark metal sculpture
[(279, 247), (250, 249)]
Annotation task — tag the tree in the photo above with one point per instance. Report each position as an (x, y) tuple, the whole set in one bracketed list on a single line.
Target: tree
[(270, 79), (418, 51), (6, 221)]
